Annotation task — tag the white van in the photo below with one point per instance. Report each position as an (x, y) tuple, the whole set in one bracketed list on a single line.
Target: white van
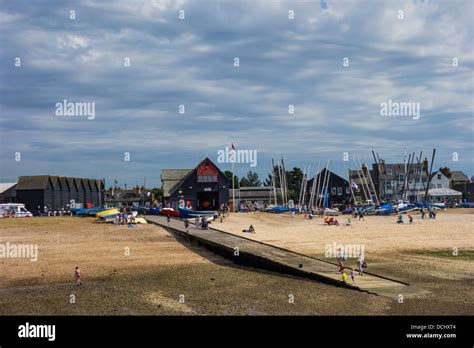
[(14, 210)]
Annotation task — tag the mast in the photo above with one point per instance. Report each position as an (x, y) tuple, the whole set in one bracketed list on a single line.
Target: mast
[(274, 183), (284, 181), (322, 186), (326, 205), (365, 179), (313, 188), (380, 181), (429, 176), (301, 186), (360, 179), (305, 184), (421, 173), (370, 180), (349, 180)]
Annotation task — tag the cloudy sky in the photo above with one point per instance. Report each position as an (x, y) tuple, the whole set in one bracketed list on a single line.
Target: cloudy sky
[(289, 52)]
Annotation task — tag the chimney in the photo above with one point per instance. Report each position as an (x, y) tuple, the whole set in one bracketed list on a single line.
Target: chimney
[(425, 165)]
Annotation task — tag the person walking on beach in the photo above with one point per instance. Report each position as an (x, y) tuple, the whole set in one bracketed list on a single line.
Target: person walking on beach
[(341, 265), (168, 219), (353, 275), (77, 276), (186, 225), (423, 214), (196, 222), (361, 262)]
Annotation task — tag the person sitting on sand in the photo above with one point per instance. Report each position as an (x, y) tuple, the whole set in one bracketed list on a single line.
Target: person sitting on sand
[(249, 230), (361, 216), (400, 219), (348, 222), (344, 277)]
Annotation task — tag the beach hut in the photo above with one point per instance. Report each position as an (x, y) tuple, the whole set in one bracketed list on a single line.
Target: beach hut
[(36, 192), (64, 184)]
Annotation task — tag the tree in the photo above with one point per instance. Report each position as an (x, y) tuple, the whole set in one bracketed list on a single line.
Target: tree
[(157, 193), (228, 175), (293, 182), (251, 180)]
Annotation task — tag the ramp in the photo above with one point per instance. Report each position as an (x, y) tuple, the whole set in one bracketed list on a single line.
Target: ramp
[(257, 254)]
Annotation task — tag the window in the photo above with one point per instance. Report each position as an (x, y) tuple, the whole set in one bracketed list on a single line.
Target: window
[(439, 176), (401, 176), (207, 178), (334, 190), (348, 190), (389, 172), (439, 185), (339, 191)]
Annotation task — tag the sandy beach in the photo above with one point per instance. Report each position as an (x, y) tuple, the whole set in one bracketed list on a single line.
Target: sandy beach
[(160, 267)]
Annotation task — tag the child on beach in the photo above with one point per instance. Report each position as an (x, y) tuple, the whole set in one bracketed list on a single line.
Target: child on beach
[(186, 225), (400, 219), (77, 276), (344, 277), (353, 275)]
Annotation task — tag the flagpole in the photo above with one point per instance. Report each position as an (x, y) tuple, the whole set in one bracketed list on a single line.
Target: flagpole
[(233, 189)]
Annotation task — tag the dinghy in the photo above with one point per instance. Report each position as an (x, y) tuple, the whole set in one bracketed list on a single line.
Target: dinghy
[(189, 213), (107, 212)]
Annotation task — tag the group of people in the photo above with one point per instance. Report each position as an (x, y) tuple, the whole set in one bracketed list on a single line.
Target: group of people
[(400, 219), (431, 212), (250, 207), (200, 222), (341, 270), (331, 221)]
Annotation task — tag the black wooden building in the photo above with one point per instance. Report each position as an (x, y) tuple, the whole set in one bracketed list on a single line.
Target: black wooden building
[(338, 188), (204, 187), (53, 193)]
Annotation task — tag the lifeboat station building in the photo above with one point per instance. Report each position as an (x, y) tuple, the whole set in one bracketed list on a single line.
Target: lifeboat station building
[(202, 188)]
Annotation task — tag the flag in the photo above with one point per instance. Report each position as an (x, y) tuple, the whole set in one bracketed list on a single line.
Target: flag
[(354, 186)]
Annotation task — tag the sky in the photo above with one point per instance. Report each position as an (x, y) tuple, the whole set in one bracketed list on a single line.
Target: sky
[(139, 62)]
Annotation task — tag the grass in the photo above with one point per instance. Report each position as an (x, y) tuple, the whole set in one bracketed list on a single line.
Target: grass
[(38, 221), (464, 255)]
